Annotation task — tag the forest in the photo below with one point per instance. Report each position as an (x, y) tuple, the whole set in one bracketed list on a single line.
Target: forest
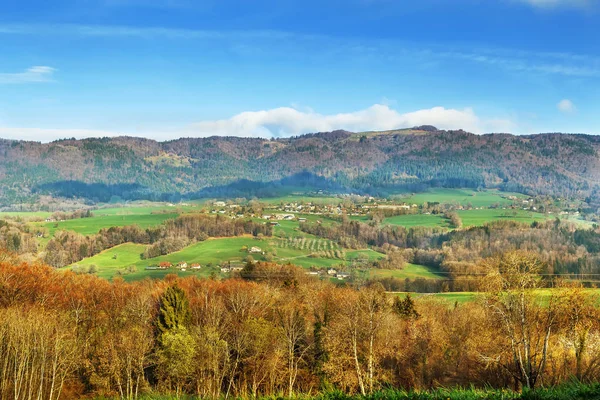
[(378, 163), (274, 331)]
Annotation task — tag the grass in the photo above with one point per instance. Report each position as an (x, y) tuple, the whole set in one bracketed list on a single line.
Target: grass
[(111, 260), (410, 271), (465, 297), (567, 391), (89, 226), (299, 198), (412, 220), (217, 251), (468, 217), (480, 217), (484, 198)]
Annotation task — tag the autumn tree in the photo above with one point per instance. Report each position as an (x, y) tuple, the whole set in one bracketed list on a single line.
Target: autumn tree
[(525, 321)]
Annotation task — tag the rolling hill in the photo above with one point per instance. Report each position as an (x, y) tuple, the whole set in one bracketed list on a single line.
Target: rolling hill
[(371, 162)]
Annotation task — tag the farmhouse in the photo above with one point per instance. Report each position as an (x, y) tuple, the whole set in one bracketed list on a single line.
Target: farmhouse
[(342, 275), (331, 271), (164, 265), (182, 265), (302, 219), (254, 249), (196, 266), (219, 204)]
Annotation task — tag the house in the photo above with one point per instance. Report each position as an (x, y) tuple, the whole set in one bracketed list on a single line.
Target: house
[(254, 249), (164, 265), (237, 268), (301, 219), (331, 271), (196, 266), (225, 270), (274, 223), (219, 204), (342, 275), (267, 216), (182, 265), (313, 273)]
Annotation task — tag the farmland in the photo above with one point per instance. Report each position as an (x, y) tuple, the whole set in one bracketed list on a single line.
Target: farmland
[(463, 197), (410, 271), (89, 226), (289, 244)]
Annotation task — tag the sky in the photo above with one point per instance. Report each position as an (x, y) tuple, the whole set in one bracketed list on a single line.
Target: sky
[(165, 69)]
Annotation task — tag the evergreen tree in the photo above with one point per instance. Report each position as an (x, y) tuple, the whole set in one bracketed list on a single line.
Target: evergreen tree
[(174, 310), (406, 307)]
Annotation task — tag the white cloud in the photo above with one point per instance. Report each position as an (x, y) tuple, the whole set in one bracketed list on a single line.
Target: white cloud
[(31, 75), (566, 106), (287, 121)]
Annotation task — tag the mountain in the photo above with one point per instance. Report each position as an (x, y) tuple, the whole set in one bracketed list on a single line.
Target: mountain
[(373, 162)]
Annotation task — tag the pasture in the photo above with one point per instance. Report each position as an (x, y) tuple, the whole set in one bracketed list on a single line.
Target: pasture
[(410, 271), (413, 220), (92, 225), (484, 198), (318, 253), (483, 216)]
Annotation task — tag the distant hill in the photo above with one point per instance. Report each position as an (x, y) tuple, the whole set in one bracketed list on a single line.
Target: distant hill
[(370, 162)]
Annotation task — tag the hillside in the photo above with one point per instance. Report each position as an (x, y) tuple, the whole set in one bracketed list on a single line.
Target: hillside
[(374, 162)]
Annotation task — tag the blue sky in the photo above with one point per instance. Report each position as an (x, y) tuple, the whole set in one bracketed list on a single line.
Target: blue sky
[(171, 68)]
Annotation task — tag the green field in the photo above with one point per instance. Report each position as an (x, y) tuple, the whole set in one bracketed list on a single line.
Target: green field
[(215, 252), (412, 220), (410, 271), (480, 217), (484, 198), (302, 198), (148, 208), (465, 297), (89, 226), (468, 217)]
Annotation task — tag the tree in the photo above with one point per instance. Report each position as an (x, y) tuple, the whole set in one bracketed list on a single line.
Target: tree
[(406, 307), (524, 321), (174, 310), (176, 346)]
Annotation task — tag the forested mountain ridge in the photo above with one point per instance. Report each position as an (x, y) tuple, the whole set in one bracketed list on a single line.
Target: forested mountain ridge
[(559, 164)]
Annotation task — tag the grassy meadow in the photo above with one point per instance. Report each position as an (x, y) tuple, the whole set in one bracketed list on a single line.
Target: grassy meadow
[(89, 226), (410, 271), (485, 198)]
